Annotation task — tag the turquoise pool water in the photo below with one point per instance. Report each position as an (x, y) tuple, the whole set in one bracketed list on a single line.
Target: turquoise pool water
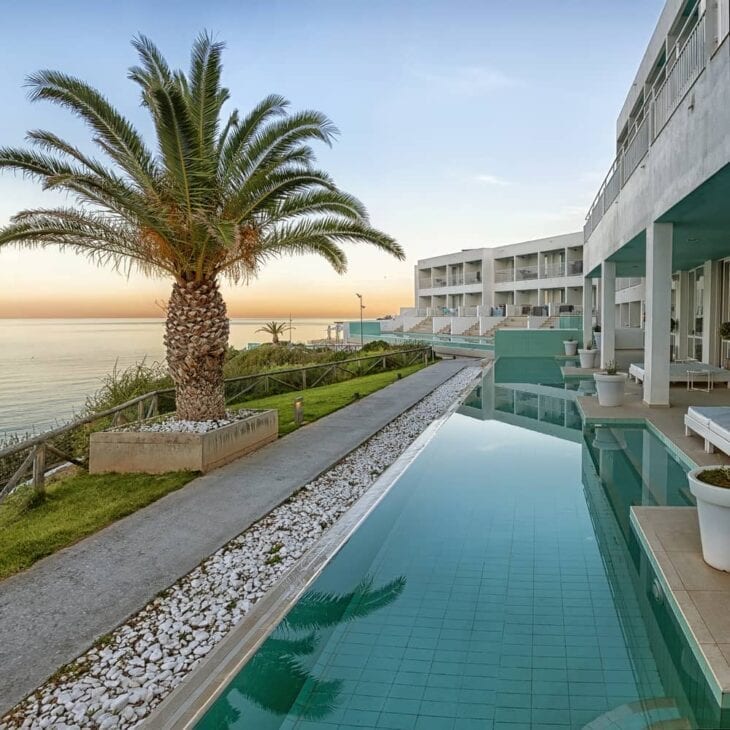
[(496, 585)]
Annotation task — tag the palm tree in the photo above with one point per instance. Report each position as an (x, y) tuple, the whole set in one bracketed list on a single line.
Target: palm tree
[(274, 677), (219, 195), (274, 329)]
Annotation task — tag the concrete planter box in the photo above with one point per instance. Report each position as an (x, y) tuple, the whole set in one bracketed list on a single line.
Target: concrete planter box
[(154, 452)]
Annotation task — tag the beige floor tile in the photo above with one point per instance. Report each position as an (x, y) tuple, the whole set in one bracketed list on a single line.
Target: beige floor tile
[(714, 608)]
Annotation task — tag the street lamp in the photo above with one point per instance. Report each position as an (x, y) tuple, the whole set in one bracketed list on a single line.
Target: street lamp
[(362, 306)]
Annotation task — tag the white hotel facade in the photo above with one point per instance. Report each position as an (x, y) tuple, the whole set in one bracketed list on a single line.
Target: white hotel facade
[(545, 275), (663, 211), (532, 281)]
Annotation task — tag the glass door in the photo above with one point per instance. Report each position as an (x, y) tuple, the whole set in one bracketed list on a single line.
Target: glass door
[(695, 310), (725, 312)]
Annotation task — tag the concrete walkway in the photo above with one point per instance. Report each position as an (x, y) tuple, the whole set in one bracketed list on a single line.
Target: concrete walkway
[(54, 611)]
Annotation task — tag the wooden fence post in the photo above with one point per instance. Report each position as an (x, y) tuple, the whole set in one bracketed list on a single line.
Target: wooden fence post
[(304, 379), (39, 468), (140, 411)]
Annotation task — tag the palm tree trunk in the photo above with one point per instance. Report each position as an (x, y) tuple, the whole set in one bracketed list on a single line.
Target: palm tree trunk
[(196, 338)]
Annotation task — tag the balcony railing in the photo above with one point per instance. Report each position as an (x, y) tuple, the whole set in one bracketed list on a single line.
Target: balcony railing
[(456, 281), (437, 281), (689, 61), (473, 277), (526, 272), (504, 275), (575, 268), (550, 271)]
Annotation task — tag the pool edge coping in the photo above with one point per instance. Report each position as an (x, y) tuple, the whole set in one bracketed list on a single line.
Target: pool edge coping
[(187, 703), (721, 695)]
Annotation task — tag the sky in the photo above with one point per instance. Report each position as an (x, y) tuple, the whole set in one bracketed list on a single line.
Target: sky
[(463, 123)]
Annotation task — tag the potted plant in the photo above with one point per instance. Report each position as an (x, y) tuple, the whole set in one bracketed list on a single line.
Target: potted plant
[(610, 386), (711, 488), (587, 356), (571, 347), (597, 336)]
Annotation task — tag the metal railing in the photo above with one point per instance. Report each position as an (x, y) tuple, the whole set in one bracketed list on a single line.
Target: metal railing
[(574, 268), (504, 275), (526, 272), (31, 459), (687, 66), (690, 59), (552, 270)]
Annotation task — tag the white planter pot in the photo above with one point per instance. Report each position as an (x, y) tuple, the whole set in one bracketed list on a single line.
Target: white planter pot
[(713, 511), (571, 347), (587, 358), (610, 388)]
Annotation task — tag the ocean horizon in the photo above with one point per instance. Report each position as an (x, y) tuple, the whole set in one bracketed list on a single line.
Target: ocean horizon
[(49, 366)]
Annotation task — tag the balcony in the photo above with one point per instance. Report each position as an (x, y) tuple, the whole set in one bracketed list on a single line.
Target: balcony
[(525, 273), (686, 62), (438, 281), (504, 275), (575, 268), (550, 271), (473, 277)]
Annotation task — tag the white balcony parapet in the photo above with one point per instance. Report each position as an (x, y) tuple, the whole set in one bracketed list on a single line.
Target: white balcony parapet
[(686, 62)]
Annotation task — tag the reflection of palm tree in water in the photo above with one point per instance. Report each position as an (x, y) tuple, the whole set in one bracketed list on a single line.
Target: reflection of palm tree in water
[(275, 677)]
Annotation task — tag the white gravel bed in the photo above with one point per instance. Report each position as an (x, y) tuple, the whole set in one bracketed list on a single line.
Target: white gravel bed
[(119, 681), (173, 425)]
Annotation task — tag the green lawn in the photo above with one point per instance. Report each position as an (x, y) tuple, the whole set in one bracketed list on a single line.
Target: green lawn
[(79, 505), (324, 400), (74, 508)]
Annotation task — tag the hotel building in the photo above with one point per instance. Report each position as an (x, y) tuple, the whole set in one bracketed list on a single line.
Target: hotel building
[(662, 214)]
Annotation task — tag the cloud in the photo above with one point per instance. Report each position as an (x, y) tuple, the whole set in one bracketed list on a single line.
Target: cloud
[(492, 180), (468, 80)]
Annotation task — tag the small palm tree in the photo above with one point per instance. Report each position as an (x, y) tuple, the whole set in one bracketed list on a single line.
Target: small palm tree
[(219, 195), (275, 329)]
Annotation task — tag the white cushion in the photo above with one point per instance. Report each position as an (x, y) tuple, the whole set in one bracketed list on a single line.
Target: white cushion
[(721, 429), (705, 414)]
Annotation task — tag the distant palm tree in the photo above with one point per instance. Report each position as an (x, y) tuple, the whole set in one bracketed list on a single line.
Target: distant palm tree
[(274, 329), (218, 196)]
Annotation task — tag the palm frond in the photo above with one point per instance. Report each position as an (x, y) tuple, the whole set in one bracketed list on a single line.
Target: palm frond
[(112, 132)]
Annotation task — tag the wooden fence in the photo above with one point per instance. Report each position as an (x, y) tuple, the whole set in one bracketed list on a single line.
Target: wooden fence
[(31, 459)]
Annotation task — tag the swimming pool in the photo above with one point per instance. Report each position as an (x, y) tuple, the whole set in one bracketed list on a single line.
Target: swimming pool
[(495, 586)]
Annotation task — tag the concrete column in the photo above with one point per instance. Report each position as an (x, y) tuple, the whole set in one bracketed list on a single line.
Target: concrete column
[(608, 312), (658, 306), (684, 315), (587, 310)]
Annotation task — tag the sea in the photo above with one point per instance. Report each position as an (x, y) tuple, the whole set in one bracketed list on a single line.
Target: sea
[(49, 366)]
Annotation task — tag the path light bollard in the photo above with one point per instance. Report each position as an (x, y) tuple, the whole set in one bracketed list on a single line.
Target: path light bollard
[(299, 411)]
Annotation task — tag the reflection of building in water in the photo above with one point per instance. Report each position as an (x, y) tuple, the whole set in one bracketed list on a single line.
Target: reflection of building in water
[(548, 409)]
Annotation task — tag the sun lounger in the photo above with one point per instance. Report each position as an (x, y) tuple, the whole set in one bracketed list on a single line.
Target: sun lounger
[(691, 372), (712, 423)]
